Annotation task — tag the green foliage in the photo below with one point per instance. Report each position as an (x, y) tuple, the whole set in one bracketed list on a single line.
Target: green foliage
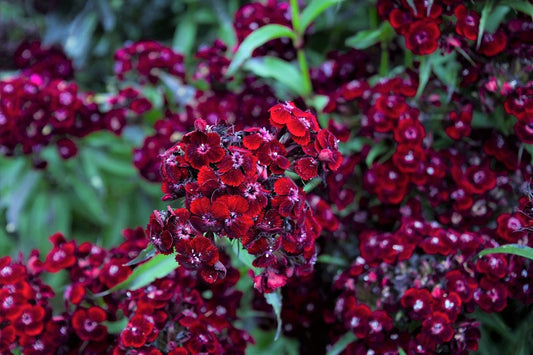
[(515, 249), (342, 343), (256, 39)]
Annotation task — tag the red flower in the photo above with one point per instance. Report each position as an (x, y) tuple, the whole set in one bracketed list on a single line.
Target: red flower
[(467, 22), (137, 333), (272, 154), (236, 166), (114, 272), (306, 168), (493, 43), (61, 256), (408, 158), (255, 194), (290, 198), (326, 145), (409, 131), (203, 217), (202, 149), (419, 302), (234, 211), (195, 253), (7, 338), (357, 318), (86, 323), (298, 122), (30, 320), (10, 274), (437, 329), (422, 37), (10, 304)]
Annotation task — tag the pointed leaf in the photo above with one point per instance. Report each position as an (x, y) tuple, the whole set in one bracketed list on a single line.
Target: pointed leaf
[(515, 249), (275, 300), (368, 38), (342, 343), (312, 11), (280, 70), (144, 255), (157, 267), (257, 39), (485, 12)]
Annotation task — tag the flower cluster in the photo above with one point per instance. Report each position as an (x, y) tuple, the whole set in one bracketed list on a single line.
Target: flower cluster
[(424, 27), (168, 316), (243, 107), (145, 58), (234, 186)]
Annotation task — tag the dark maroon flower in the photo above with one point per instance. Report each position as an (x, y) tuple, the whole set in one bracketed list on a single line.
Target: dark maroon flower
[(203, 217), (467, 23), (10, 273), (87, 323), (61, 256), (299, 123), (236, 166), (234, 210), (202, 149), (422, 37), (137, 332), (197, 252), (114, 272), (419, 302), (66, 148), (437, 328), (493, 43), (290, 198)]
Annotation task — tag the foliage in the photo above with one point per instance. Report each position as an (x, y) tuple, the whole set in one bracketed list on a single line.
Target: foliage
[(321, 177)]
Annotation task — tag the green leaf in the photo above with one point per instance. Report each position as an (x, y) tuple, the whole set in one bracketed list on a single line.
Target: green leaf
[(377, 150), (185, 35), (332, 260), (496, 17), (256, 39), (485, 12), (280, 70), (312, 11), (401, 351), (425, 72), (275, 300), (342, 343), (354, 145), (144, 255), (515, 249), (88, 203), (117, 326), (368, 38), (312, 184), (520, 5), (157, 267)]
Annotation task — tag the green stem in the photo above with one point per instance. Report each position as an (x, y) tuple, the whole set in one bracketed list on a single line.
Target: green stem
[(384, 63), (304, 68), (295, 13), (298, 44)]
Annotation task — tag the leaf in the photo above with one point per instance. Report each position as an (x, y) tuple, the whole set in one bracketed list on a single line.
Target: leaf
[(185, 35), (368, 38), (332, 260), (159, 266), (275, 300), (401, 351), (520, 5), (181, 94), (88, 202), (515, 249), (354, 145), (342, 343), (107, 16), (280, 70), (311, 184), (312, 11), (485, 12), (425, 72), (117, 326), (496, 17), (144, 255), (256, 39), (377, 150)]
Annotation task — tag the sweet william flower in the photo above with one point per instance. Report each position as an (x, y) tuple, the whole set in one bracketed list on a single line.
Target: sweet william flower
[(422, 37), (202, 149), (87, 323), (137, 332)]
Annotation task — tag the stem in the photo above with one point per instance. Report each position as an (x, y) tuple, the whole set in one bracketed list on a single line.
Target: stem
[(298, 44), (304, 69), (295, 13), (384, 62)]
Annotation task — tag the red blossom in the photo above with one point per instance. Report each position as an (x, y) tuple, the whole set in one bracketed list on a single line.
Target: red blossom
[(30, 320), (290, 198), (202, 149), (87, 323), (422, 37), (137, 332), (236, 166), (467, 23)]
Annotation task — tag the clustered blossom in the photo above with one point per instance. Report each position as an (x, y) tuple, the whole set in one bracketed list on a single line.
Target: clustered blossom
[(171, 311), (244, 106), (234, 186), (145, 58)]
